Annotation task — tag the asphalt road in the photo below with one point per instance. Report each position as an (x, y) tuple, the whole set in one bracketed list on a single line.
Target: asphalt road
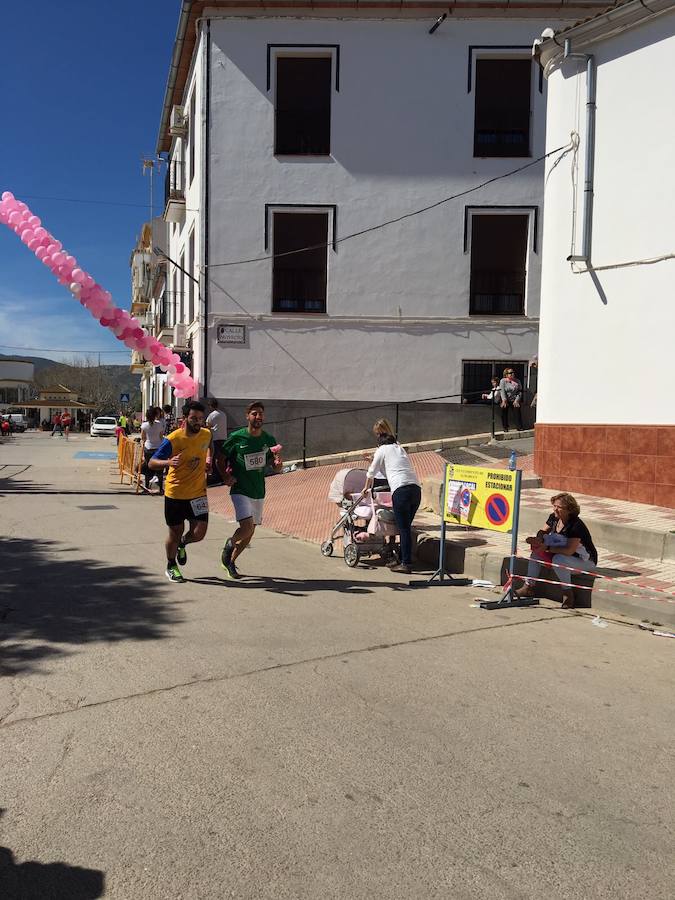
[(311, 732)]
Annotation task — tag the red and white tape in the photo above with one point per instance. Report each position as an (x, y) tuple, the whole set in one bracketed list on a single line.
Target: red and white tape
[(581, 587)]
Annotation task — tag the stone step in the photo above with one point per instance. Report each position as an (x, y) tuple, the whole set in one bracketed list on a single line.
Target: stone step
[(479, 562), (615, 537)]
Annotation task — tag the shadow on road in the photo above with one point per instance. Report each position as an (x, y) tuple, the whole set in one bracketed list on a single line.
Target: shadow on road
[(47, 881), (302, 587), (48, 600)]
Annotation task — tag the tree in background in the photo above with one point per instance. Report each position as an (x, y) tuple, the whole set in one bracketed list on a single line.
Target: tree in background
[(100, 385)]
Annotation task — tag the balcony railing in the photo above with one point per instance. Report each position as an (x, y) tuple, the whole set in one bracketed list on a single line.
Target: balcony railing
[(169, 309), (497, 293), (174, 181)]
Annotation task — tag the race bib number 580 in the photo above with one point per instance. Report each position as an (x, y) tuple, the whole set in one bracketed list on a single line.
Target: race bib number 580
[(255, 460)]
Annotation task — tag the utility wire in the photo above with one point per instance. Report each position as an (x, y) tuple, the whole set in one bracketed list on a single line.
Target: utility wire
[(417, 212), (56, 350)]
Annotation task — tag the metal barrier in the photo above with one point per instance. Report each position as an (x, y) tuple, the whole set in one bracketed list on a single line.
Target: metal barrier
[(130, 461)]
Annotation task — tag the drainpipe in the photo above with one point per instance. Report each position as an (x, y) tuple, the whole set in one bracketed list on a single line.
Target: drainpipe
[(589, 154)]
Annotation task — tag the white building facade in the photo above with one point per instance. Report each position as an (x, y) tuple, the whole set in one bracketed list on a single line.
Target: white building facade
[(16, 382), (606, 413), (308, 128)]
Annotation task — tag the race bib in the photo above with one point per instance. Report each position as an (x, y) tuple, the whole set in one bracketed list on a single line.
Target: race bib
[(200, 506), (255, 460)]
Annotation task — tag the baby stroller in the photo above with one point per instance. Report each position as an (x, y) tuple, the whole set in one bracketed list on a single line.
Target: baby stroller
[(366, 522)]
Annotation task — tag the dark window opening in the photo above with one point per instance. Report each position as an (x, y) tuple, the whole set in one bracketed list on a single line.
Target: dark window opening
[(476, 376), (502, 116), (498, 254), (302, 115), (299, 280)]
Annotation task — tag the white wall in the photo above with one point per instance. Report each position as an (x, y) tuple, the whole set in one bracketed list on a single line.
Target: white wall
[(606, 350), (13, 370), (402, 137), (178, 236)]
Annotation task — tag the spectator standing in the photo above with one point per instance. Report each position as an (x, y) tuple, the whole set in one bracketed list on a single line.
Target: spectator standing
[(123, 422), (511, 395), (169, 419), (493, 395), (152, 432), (66, 423), (392, 462), (217, 421)]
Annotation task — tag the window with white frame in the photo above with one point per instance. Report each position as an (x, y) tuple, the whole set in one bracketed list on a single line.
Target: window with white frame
[(299, 278), (502, 116)]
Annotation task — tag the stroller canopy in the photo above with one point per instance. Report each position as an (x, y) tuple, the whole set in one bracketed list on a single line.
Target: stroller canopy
[(345, 483)]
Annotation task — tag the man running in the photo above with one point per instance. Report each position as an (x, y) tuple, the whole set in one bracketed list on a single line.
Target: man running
[(246, 452), (186, 456)]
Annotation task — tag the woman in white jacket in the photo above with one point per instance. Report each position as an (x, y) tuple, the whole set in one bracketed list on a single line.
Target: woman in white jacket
[(392, 462)]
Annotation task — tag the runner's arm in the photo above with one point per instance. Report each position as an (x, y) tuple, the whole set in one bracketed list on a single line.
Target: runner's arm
[(164, 457)]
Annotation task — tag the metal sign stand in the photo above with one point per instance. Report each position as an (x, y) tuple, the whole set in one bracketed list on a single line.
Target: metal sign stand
[(508, 598), (440, 573)]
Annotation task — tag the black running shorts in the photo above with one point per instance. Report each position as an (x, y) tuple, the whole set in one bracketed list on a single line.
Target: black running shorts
[(177, 511)]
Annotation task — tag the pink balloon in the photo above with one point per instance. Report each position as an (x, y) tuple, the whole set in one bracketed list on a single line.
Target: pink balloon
[(27, 236), (40, 232), (14, 217), (105, 322), (180, 368), (79, 276), (8, 195), (34, 222), (41, 252)]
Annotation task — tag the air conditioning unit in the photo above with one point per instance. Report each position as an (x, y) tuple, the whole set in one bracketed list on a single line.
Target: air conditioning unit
[(178, 122), (180, 335)]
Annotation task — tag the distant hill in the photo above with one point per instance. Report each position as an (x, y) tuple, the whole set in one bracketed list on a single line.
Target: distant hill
[(120, 376)]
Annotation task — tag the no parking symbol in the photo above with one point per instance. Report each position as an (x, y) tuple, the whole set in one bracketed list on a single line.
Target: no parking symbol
[(497, 509)]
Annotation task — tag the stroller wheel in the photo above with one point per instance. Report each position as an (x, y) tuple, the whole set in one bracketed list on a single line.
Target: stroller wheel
[(351, 555), (327, 548)]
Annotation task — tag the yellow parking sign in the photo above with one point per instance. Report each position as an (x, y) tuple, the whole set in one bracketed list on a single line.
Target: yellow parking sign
[(482, 498)]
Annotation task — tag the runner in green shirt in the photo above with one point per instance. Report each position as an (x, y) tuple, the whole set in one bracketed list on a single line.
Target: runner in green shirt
[(246, 453)]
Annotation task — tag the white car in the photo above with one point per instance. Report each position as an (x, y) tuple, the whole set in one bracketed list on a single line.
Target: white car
[(103, 426)]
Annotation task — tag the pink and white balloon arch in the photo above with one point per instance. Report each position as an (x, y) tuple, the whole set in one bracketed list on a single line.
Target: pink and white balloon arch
[(126, 328)]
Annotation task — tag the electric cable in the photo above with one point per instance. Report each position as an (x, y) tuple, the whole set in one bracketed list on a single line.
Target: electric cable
[(417, 212)]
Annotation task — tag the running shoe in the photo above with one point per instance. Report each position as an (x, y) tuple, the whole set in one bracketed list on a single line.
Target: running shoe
[(181, 554), (231, 570), (173, 573), (226, 555)]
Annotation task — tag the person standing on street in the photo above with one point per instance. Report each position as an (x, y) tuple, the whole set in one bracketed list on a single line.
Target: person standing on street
[(511, 394), (56, 422), (185, 456), (66, 423), (152, 432), (217, 422), (169, 419), (393, 462), (123, 422), (246, 453)]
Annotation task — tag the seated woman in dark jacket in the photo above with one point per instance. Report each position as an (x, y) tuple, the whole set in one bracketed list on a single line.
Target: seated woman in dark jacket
[(565, 541)]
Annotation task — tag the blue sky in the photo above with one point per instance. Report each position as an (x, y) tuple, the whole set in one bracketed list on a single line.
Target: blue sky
[(83, 88)]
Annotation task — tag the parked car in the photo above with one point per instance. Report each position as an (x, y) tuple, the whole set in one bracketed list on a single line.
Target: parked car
[(103, 426), (17, 422)]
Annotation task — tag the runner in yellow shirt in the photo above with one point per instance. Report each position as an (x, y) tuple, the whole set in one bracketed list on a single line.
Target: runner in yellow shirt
[(186, 455)]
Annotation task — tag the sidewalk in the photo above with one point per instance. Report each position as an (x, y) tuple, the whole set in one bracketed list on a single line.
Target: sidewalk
[(297, 505)]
